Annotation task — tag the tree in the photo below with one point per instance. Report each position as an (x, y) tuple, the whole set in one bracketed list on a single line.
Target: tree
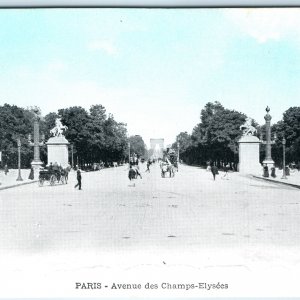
[(137, 145), (289, 127), (216, 137), (15, 122)]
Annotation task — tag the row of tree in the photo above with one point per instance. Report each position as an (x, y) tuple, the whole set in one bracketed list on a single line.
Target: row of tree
[(215, 137), (94, 135)]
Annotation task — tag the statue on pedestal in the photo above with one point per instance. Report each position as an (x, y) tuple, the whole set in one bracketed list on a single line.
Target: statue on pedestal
[(249, 149), (247, 128), (59, 128), (57, 145)]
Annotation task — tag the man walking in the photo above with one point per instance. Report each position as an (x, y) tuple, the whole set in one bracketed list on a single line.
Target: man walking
[(78, 180), (6, 169), (226, 169), (148, 165), (214, 171)]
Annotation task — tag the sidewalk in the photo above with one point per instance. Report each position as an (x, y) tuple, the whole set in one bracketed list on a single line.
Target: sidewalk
[(292, 180), (9, 180)]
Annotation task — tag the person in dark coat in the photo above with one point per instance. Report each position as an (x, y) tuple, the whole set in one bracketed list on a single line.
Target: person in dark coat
[(226, 169), (148, 165), (31, 174), (266, 171), (273, 170), (214, 171), (6, 169), (131, 173), (78, 180)]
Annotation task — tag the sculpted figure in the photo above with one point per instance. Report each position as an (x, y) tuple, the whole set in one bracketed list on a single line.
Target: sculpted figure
[(247, 128), (59, 128)]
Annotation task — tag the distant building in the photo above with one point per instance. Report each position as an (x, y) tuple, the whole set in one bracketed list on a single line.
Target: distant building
[(157, 147)]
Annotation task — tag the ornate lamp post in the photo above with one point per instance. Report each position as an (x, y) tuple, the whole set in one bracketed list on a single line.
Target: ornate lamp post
[(268, 161), (129, 153), (72, 149), (19, 160), (283, 160), (36, 163)]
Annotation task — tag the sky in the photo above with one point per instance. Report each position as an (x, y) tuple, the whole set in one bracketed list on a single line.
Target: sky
[(153, 69)]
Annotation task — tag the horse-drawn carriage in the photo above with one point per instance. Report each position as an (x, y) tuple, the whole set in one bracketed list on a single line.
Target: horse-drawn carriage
[(167, 168), (53, 176), (169, 163)]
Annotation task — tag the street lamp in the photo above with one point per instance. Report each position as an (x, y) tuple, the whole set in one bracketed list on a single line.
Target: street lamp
[(19, 160), (283, 161), (268, 161), (72, 149), (36, 163), (129, 153)]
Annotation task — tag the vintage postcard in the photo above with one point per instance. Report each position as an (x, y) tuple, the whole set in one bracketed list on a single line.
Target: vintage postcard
[(149, 152)]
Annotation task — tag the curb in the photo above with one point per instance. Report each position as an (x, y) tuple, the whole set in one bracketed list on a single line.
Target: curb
[(297, 186), (16, 185)]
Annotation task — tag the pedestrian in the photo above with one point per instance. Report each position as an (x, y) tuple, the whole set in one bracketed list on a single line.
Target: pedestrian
[(55, 167), (78, 180), (31, 174), (226, 169), (266, 171), (148, 165), (287, 171), (131, 173), (273, 174), (6, 169), (214, 171)]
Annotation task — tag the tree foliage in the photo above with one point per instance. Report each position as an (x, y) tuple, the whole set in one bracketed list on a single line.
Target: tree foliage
[(137, 145), (214, 138), (15, 122), (288, 127), (94, 135)]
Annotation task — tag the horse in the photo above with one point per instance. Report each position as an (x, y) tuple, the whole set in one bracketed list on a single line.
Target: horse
[(167, 168), (58, 129), (65, 173), (247, 128)]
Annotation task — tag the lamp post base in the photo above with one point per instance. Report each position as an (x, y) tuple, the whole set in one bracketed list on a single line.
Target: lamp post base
[(284, 176), (19, 178), (36, 168)]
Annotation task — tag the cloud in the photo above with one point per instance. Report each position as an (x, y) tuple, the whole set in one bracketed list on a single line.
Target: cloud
[(106, 46), (265, 24)]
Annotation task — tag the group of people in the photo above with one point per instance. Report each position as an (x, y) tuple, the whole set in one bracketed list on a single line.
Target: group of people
[(57, 168), (215, 171), (134, 169)]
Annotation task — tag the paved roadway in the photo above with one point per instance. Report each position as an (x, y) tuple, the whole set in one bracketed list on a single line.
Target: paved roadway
[(189, 209), (240, 222)]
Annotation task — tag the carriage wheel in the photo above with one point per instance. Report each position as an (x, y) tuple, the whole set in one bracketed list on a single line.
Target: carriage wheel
[(41, 181), (52, 179)]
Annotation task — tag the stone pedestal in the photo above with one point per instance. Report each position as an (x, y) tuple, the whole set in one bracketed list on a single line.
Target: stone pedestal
[(249, 155), (57, 148)]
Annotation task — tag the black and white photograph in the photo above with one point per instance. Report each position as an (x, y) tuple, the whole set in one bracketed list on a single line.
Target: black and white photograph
[(149, 152)]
